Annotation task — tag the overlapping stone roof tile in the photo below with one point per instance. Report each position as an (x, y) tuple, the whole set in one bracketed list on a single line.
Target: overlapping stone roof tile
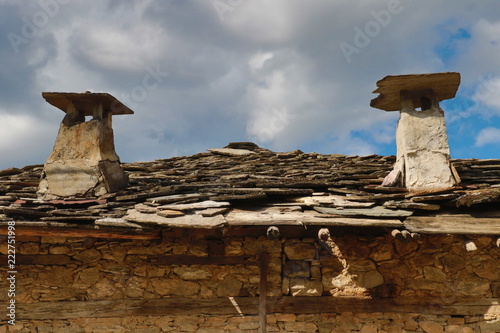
[(244, 185)]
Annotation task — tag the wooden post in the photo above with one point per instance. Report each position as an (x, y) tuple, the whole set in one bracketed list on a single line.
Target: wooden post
[(264, 264)]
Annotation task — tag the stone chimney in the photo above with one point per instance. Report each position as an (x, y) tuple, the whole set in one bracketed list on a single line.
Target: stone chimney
[(83, 162), (423, 154)]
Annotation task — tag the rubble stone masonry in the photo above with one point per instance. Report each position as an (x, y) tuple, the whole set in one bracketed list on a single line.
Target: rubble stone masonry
[(435, 266)]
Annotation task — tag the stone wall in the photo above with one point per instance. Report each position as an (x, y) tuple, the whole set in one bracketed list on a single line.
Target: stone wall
[(437, 267), (323, 323)]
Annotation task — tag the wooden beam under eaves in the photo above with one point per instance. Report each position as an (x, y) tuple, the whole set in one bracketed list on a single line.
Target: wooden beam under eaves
[(79, 232), (238, 306)]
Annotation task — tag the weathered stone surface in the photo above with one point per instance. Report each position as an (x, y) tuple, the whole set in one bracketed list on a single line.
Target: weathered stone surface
[(423, 156), (422, 150), (489, 269), (297, 269), (230, 286), (458, 329), (209, 212), (231, 151), (490, 326), (170, 213), (432, 273), (192, 273), (453, 261), (56, 277), (187, 221), (79, 165), (293, 326), (473, 286), (90, 275), (334, 201), (373, 212), (300, 251), (60, 249), (83, 161), (370, 328), (142, 208), (155, 271), (175, 198), (91, 255), (305, 287), (116, 253), (370, 279), (445, 86), (431, 327), (196, 205), (116, 269), (174, 287), (29, 248), (361, 266)]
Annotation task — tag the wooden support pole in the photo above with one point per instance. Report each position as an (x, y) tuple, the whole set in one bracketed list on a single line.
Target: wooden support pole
[(264, 265)]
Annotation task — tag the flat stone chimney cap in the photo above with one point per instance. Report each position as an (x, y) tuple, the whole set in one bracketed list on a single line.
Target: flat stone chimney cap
[(444, 85), (86, 102)]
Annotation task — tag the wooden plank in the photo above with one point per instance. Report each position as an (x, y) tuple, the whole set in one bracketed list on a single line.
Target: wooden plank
[(41, 259), (249, 306), (264, 267), (81, 232), (195, 260), (453, 224), (138, 307), (424, 305)]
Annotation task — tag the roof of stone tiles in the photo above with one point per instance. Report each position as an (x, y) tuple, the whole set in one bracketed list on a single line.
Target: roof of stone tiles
[(244, 185)]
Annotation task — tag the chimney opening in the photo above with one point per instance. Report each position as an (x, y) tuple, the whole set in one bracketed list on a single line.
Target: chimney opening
[(425, 103)]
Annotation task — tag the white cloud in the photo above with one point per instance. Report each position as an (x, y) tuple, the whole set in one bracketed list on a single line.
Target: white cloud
[(124, 49), (257, 61), (269, 70), (488, 92), (20, 142), (486, 136), (261, 20)]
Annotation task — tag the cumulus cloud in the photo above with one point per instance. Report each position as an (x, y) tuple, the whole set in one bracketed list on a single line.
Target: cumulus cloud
[(19, 143), (486, 136), (269, 71)]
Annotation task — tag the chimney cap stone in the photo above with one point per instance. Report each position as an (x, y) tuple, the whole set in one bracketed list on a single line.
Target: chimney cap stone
[(86, 102), (444, 85)]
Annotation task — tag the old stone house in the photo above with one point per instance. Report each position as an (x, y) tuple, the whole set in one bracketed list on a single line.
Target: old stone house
[(243, 239)]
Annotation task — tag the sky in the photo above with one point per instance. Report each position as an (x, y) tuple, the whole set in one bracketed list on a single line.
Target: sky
[(285, 74)]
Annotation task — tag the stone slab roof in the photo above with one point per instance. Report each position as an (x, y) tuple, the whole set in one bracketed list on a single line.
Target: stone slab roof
[(444, 85), (243, 185), (86, 102)]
